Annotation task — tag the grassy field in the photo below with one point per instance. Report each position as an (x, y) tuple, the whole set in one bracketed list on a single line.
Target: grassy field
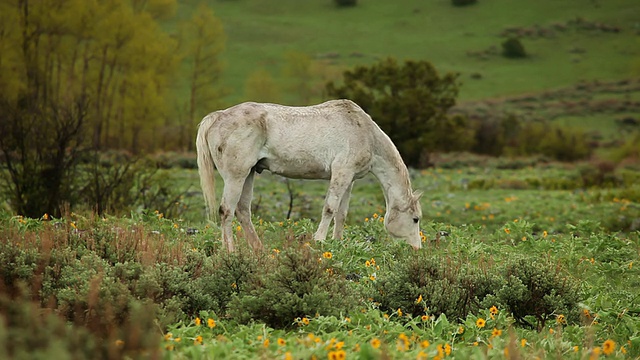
[(261, 32), (490, 226)]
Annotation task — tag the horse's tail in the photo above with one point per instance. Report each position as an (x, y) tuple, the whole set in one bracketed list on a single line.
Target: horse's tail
[(206, 165)]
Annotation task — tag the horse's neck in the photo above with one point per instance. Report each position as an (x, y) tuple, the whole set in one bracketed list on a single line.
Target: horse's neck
[(390, 170)]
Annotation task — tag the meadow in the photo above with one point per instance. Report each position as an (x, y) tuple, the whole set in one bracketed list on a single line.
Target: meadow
[(522, 258)]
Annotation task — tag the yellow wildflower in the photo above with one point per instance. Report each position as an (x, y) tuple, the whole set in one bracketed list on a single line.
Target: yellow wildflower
[(481, 322), (608, 347), (211, 323), (337, 355), (375, 343)]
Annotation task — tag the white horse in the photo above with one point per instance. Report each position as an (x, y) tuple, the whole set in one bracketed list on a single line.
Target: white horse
[(335, 140)]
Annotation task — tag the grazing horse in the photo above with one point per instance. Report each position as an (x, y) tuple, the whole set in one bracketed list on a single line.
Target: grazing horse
[(335, 140)]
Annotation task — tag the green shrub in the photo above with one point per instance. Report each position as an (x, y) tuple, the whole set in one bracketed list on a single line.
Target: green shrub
[(444, 286), (30, 331), (297, 282), (513, 48), (221, 278), (536, 290), (553, 141)]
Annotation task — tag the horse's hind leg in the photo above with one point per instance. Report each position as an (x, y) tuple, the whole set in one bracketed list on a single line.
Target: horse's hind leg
[(244, 213), (341, 214), (228, 204)]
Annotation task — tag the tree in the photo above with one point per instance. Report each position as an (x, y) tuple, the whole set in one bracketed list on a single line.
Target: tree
[(410, 103), (261, 87), (57, 50), (300, 71), (41, 148), (76, 74), (203, 41)]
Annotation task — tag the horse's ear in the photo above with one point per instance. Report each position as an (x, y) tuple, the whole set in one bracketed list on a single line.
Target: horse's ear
[(416, 195)]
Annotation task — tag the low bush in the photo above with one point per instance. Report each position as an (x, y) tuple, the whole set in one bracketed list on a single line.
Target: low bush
[(535, 290), (513, 48), (346, 3), (528, 288), (428, 285), (463, 2), (296, 282)]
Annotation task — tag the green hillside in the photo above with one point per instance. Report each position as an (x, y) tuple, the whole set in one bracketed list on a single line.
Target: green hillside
[(568, 41)]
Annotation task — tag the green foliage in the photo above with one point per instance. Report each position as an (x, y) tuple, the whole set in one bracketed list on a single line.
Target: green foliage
[(410, 102), (429, 285), (537, 289), (513, 48), (203, 41), (298, 283), (557, 142)]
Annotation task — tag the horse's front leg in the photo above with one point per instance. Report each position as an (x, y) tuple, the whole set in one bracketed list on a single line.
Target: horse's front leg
[(341, 214), (338, 186)]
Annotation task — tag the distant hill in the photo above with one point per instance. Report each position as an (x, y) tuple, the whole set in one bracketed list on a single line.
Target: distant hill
[(568, 41)]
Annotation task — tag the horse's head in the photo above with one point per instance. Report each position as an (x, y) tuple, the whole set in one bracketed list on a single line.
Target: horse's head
[(404, 221)]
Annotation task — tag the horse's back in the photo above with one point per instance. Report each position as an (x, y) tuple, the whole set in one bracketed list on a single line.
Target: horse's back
[(299, 142)]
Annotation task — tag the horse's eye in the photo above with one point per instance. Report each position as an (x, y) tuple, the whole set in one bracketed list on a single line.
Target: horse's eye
[(416, 219)]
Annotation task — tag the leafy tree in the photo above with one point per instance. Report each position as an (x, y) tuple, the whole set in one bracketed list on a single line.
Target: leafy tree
[(76, 74), (409, 102), (300, 71), (41, 148), (103, 51), (203, 41), (261, 87)]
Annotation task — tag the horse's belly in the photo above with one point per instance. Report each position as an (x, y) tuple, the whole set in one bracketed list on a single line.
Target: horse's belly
[(295, 168)]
